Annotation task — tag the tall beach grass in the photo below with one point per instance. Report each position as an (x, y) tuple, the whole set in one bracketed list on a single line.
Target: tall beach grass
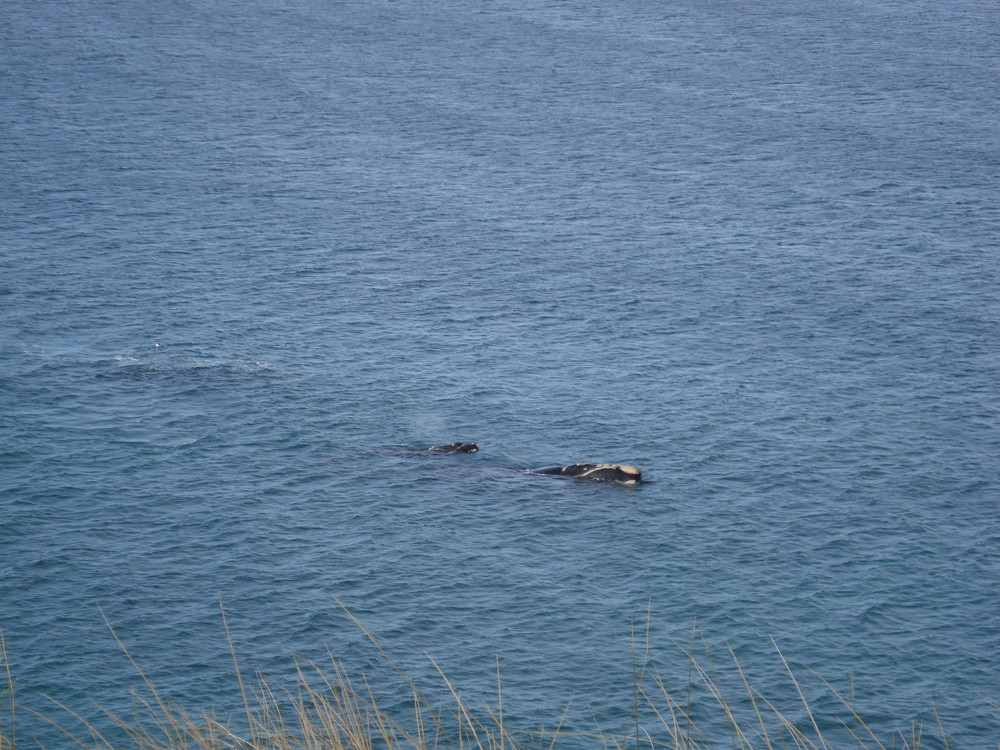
[(326, 708)]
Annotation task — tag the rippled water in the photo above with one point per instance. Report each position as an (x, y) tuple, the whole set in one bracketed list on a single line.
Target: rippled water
[(251, 250)]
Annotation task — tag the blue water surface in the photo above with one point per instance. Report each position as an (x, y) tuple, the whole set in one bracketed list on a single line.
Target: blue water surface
[(249, 250)]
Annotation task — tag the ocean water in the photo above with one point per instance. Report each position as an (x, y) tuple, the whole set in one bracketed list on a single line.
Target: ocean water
[(248, 251)]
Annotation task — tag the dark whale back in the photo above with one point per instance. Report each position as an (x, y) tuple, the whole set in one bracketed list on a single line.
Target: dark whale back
[(599, 472), (621, 473), (455, 448)]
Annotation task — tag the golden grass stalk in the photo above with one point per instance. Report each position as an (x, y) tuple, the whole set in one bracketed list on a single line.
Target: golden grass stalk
[(8, 736), (325, 709)]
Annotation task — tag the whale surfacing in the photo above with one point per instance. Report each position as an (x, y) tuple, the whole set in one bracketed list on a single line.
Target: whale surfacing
[(455, 448), (621, 473)]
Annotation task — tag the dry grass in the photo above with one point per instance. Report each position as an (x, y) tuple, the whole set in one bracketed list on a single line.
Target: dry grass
[(325, 709)]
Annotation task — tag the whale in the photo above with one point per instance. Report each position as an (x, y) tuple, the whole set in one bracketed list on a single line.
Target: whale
[(453, 448), (621, 473)]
